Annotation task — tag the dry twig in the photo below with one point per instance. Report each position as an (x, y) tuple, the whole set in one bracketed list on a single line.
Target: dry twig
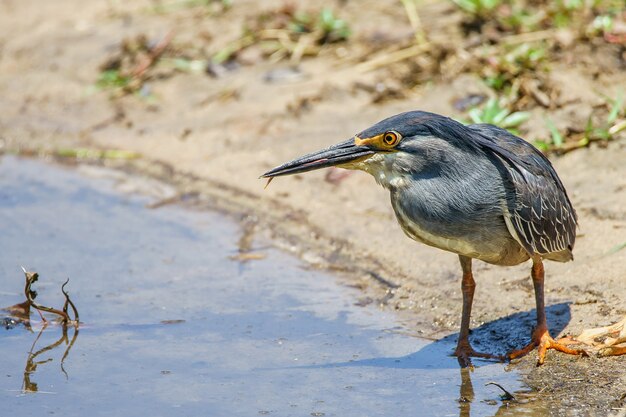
[(388, 58), (153, 56)]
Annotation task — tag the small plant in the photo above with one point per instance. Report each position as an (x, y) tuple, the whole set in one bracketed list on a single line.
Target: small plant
[(496, 114), (333, 29), (479, 8), (604, 132), (611, 126), (287, 32), (555, 141), (112, 79), (127, 70), (328, 27), (601, 25), (563, 11), (520, 19), (503, 68)]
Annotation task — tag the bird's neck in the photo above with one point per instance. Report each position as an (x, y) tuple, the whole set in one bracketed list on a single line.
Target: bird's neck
[(381, 168)]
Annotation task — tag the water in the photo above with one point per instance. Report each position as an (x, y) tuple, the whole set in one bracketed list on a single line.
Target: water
[(172, 326)]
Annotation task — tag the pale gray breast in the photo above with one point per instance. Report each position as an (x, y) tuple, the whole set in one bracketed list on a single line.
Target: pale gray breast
[(460, 213)]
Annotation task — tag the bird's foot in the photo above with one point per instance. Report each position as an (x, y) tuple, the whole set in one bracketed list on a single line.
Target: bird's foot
[(464, 352), (542, 340)]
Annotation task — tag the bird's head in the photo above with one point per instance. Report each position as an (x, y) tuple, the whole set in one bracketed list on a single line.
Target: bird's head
[(399, 145)]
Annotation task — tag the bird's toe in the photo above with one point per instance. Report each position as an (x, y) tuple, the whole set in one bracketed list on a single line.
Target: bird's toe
[(464, 352), (542, 340)]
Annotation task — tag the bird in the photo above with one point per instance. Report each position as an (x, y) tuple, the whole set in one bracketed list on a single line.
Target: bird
[(474, 190)]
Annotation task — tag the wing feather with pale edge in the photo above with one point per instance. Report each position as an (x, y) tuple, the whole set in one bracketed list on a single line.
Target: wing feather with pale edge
[(541, 213)]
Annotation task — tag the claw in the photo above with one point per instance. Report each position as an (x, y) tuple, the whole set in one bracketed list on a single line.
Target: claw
[(542, 340)]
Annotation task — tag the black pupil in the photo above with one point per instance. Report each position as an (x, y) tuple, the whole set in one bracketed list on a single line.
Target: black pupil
[(390, 138)]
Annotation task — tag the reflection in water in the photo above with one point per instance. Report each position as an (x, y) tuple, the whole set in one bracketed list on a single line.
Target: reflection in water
[(467, 393), (31, 363), (521, 404), (474, 397)]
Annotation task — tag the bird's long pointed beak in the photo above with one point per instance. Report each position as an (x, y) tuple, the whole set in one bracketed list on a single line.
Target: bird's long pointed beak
[(339, 154)]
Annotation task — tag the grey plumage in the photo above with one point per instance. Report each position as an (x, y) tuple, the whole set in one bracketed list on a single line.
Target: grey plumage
[(475, 190), (482, 191), (543, 216)]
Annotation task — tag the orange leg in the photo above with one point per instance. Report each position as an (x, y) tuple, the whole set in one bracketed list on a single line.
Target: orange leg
[(541, 338), (464, 350)]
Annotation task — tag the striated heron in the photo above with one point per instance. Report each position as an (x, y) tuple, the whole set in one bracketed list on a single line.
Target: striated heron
[(476, 190)]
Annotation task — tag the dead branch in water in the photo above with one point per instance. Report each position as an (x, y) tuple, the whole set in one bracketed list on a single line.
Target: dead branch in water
[(21, 311)]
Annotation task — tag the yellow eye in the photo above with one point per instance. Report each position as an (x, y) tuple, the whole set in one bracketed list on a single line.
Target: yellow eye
[(391, 138)]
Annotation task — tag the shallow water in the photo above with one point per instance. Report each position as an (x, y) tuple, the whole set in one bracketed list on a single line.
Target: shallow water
[(171, 326)]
